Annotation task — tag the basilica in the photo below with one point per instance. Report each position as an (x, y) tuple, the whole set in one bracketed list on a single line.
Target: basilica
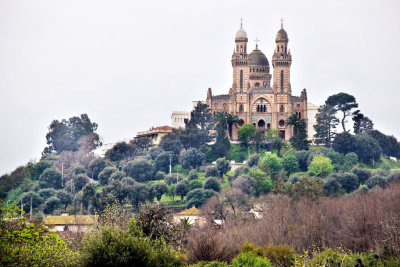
[(260, 95)]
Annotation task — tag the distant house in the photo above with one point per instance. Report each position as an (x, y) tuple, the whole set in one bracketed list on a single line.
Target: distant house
[(155, 134), (73, 223), (192, 215)]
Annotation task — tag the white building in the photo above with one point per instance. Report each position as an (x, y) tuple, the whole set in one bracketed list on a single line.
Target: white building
[(178, 119), (312, 111)]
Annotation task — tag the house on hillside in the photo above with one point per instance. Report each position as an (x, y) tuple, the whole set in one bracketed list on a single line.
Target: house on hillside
[(73, 223), (192, 215), (155, 134)]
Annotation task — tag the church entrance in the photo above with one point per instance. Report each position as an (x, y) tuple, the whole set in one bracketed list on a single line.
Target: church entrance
[(261, 126)]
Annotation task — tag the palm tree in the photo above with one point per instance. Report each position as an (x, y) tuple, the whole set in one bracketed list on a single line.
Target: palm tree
[(226, 121), (257, 140)]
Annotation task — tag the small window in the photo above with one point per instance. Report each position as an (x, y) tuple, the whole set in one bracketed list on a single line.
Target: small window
[(241, 108), (282, 109), (281, 123), (257, 85), (281, 80)]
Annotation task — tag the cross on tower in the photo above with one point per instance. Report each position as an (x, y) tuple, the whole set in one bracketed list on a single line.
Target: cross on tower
[(241, 22), (281, 22), (256, 40)]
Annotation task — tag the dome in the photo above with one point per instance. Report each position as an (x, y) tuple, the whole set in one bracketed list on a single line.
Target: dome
[(257, 57), (282, 36), (241, 33)]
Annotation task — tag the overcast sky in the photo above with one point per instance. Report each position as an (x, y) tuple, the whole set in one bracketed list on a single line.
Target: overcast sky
[(129, 64)]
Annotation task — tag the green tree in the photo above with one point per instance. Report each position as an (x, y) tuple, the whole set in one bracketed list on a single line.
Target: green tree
[(389, 144), (223, 166), (348, 180), (191, 158), (89, 195), (117, 176), (79, 182), (162, 161), (326, 125), (290, 164), (275, 139), (272, 163), (45, 193), (331, 186), (299, 139), (344, 143), (246, 132), (120, 151), (211, 171), (50, 178), (302, 158), (65, 135), (311, 188), (171, 142), (51, 204), (23, 244), (321, 166), (181, 189), (193, 175), (257, 140), (159, 189), (376, 180), (159, 175), (194, 184), (212, 183), (264, 183), (141, 193), (26, 198), (222, 144), (226, 121), (105, 174), (198, 197), (64, 197), (367, 148), (96, 166), (362, 124), (342, 102), (140, 169)]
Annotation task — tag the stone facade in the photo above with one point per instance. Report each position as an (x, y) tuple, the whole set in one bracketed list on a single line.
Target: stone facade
[(254, 97)]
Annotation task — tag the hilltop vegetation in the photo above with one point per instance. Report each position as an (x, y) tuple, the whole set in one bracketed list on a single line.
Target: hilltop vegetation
[(340, 193)]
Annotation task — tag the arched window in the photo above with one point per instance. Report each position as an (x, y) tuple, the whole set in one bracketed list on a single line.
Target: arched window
[(237, 48), (241, 79), (278, 49), (282, 109), (257, 84), (241, 48), (268, 126), (281, 123), (265, 108), (241, 108), (299, 115), (281, 80), (258, 108)]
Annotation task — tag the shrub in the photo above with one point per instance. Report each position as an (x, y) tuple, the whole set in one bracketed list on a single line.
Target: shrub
[(114, 247), (245, 183), (105, 174), (376, 180), (302, 157), (331, 186), (290, 164), (247, 259), (253, 160), (159, 175), (117, 176), (321, 166), (194, 184), (140, 169), (96, 166), (212, 183), (362, 174), (193, 175), (349, 181), (272, 163), (211, 172)]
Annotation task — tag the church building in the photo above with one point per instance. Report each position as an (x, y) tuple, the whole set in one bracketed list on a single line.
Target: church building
[(257, 96)]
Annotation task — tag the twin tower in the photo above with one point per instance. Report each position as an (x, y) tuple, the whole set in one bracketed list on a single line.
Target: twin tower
[(252, 97)]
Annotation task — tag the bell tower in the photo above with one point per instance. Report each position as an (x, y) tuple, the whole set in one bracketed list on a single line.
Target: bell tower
[(281, 61), (240, 62)]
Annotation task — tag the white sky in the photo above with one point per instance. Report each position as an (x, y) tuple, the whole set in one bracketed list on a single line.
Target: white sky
[(129, 64)]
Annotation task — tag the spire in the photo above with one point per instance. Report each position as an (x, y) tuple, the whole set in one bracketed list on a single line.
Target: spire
[(241, 22), (256, 40), (281, 23)]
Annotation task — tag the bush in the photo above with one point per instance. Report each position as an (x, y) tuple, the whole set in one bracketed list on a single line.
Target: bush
[(331, 186), (212, 183), (117, 176), (245, 183), (362, 174), (290, 164), (376, 180), (198, 197), (159, 175), (191, 158), (194, 184), (114, 247), (247, 259), (173, 179), (349, 181), (140, 169), (96, 166), (321, 166), (302, 157), (193, 175), (105, 174), (272, 163), (253, 160), (211, 172), (279, 255)]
